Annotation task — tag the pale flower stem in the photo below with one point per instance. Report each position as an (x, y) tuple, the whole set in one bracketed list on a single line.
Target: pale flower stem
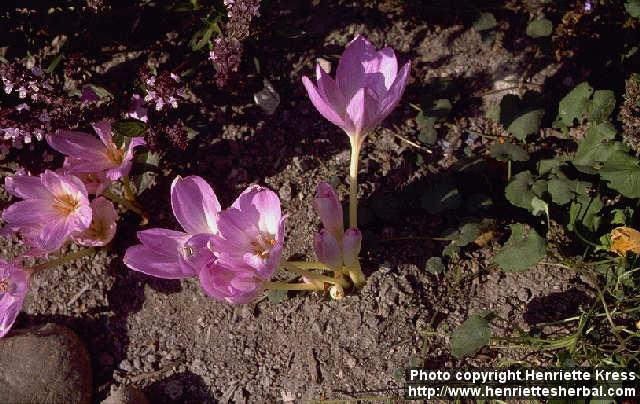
[(83, 252), (292, 286), (313, 265), (355, 272), (353, 181), (311, 275)]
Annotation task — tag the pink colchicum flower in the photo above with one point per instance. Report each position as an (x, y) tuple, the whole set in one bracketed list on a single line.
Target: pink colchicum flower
[(251, 232), (103, 224), (89, 155), (14, 284), (334, 246), (171, 254), (54, 207), (367, 87), (233, 252), (96, 182)]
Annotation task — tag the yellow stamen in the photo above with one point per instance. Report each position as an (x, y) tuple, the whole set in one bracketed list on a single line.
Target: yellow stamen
[(65, 204)]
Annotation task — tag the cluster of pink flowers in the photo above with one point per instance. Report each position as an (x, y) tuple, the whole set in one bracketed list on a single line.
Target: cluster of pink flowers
[(56, 207), (232, 251), (163, 90)]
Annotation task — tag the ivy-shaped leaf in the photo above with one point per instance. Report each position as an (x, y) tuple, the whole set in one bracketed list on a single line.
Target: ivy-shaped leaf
[(428, 134), (524, 249), (518, 191), (622, 172), (521, 117), (574, 106), (435, 265), (596, 146), (585, 212), (470, 337), (602, 105)]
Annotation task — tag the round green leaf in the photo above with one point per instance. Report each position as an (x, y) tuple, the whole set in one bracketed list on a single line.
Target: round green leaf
[(524, 249), (470, 337), (539, 28)]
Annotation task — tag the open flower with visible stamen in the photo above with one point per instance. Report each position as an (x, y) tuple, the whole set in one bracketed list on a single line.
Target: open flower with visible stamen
[(251, 232), (89, 155), (95, 182), (103, 224), (14, 284), (55, 206), (367, 87)]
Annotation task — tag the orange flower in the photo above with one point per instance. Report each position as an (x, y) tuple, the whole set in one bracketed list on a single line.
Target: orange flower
[(624, 239)]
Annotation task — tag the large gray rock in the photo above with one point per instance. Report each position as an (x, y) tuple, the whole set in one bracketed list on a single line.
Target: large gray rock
[(44, 364)]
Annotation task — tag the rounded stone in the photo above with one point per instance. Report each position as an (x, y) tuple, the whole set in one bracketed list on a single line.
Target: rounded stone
[(44, 364)]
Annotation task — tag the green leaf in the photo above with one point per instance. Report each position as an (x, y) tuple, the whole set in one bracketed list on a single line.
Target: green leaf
[(434, 265), (538, 207), (622, 216), (485, 22), (508, 151), (468, 233), (560, 191), (470, 337), (539, 28), (144, 181), (633, 8), (441, 196), (602, 105), (585, 211), (440, 108), (518, 191), (574, 106), (524, 249), (203, 36), (549, 166), (129, 128), (596, 146), (539, 188), (521, 117), (428, 134), (148, 158), (622, 172)]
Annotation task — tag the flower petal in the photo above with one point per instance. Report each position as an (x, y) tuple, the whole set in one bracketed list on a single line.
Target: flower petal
[(79, 145), (362, 111), (350, 74), (195, 205), (327, 249), (327, 204), (159, 255), (103, 130), (26, 187), (323, 106), (228, 285), (395, 92), (351, 245)]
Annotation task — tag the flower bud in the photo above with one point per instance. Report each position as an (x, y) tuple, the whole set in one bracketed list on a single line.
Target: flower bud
[(327, 249), (327, 204), (351, 244)]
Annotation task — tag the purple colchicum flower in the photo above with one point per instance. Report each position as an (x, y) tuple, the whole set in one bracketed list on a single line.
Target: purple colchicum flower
[(233, 252), (137, 110), (334, 246), (103, 224), (89, 155), (55, 206), (14, 284), (367, 87)]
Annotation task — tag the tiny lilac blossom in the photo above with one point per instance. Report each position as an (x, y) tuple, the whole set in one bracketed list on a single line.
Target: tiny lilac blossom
[(89, 155), (367, 87), (14, 284), (54, 207), (137, 110), (103, 224)]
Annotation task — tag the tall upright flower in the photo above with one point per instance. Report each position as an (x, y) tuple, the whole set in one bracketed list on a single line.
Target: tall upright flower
[(54, 207), (367, 87), (87, 154), (14, 284)]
